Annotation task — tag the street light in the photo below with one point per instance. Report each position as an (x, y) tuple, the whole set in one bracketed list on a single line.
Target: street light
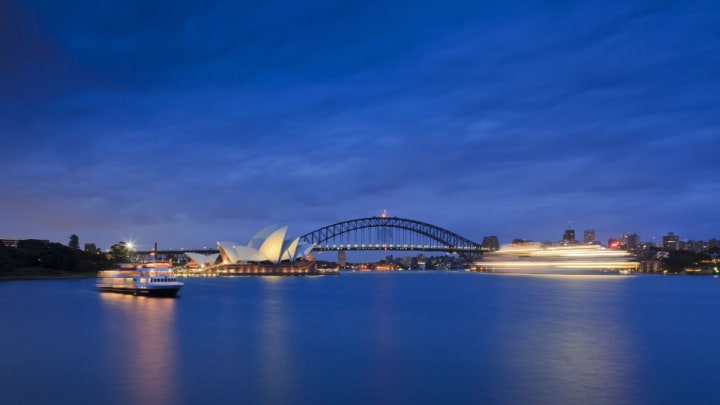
[(130, 245)]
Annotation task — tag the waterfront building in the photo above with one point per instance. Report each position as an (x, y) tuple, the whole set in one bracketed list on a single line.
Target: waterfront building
[(10, 242), (14, 242), (588, 236), (650, 266), (421, 261)]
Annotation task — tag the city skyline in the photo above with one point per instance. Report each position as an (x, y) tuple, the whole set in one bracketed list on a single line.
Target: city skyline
[(202, 122)]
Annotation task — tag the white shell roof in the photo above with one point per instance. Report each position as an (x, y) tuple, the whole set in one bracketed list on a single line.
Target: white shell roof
[(202, 259), (268, 244)]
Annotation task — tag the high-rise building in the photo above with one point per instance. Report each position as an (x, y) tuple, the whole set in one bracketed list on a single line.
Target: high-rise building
[(671, 241), (490, 243), (341, 258), (630, 241), (569, 236), (589, 236), (683, 245)]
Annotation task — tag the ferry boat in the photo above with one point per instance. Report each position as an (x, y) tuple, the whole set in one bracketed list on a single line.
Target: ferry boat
[(155, 279), (538, 258)]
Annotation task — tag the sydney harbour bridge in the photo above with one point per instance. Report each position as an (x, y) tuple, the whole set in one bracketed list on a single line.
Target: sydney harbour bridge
[(376, 233), (389, 233)]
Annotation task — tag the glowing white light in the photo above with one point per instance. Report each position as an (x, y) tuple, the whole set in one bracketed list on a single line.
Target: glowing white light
[(535, 255)]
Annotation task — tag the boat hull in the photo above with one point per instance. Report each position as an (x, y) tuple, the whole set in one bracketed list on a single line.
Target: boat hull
[(151, 292)]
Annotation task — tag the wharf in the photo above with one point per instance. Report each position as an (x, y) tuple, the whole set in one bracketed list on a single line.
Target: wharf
[(253, 269)]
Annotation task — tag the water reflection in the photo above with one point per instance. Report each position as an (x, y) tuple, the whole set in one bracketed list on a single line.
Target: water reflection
[(141, 347), (570, 346), (276, 366), (383, 338)]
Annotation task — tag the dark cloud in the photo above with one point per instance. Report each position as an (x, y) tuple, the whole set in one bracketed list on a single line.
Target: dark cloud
[(189, 122)]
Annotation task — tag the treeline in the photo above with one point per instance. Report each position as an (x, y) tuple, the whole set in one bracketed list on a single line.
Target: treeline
[(679, 260), (52, 256)]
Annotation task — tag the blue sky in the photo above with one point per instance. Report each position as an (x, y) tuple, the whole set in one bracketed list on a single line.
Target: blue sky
[(185, 123)]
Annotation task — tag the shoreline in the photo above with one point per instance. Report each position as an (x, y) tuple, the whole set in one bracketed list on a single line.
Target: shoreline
[(43, 274), (49, 275)]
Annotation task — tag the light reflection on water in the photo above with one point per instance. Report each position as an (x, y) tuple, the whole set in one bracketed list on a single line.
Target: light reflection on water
[(571, 347), (141, 346), (420, 338), (383, 332), (275, 360)]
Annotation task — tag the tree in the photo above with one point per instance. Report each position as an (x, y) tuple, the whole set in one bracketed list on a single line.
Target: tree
[(7, 263), (120, 252), (59, 257), (74, 242), (56, 256), (679, 260), (30, 253)]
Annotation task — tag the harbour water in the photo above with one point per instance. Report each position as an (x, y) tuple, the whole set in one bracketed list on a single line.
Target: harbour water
[(365, 338)]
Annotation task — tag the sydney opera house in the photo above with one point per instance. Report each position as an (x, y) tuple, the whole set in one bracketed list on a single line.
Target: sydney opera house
[(268, 245), (267, 252)]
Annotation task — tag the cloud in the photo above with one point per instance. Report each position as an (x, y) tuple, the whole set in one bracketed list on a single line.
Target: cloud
[(497, 118)]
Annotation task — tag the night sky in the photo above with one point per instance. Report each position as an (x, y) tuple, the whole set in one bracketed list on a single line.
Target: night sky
[(185, 123)]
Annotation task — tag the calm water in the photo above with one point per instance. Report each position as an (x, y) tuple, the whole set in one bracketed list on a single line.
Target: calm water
[(365, 338)]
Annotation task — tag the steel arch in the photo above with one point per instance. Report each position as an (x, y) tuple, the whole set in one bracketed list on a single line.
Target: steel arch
[(450, 240)]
